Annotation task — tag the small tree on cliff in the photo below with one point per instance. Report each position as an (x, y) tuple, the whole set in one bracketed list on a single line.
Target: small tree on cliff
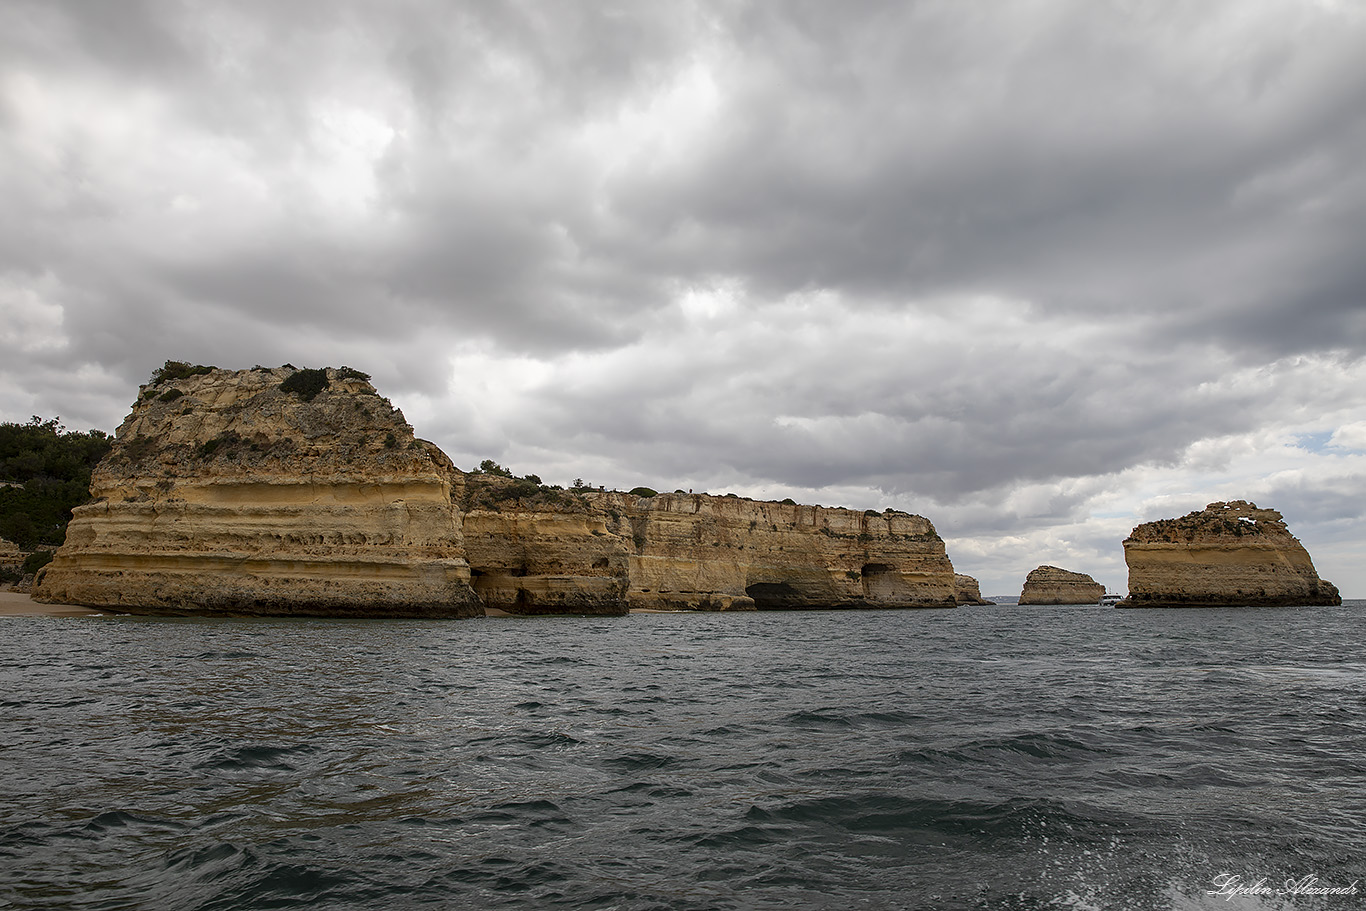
[(488, 466)]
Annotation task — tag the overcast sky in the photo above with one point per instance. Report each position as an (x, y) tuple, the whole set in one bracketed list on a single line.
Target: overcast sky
[(1037, 270)]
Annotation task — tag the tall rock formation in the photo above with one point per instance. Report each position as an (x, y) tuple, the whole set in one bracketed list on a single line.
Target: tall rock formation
[(270, 492), (548, 550), (1228, 554), (535, 549), (1051, 585), (285, 491), (700, 552), (967, 591)]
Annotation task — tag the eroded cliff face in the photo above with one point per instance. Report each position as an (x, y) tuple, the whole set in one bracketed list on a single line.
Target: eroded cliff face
[(279, 491), (540, 550), (967, 591), (592, 551), (1051, 585), (1228, 554), (700, 552), (226, 492)]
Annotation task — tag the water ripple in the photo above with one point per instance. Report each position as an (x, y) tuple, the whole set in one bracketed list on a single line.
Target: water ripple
[(973, 759)]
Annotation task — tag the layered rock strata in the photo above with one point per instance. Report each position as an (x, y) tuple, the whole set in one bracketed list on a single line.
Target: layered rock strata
[(280, 491), (967, 591), (1051, 585), (270, 492), (552, 551), (544, 552), (1228, 554), (699, 552)]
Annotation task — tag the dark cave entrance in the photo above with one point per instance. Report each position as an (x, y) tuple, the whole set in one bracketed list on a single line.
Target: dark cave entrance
[(774, 596)]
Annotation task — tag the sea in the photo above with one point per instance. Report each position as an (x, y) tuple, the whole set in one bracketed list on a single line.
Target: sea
[(978, 758)]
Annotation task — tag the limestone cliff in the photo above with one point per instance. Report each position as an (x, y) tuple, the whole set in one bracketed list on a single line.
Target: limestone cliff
[(1224, 555), (266, 491), (285, 491), (967, 591), (543, 550), (540, 550), (1051, 585), (700, 552)]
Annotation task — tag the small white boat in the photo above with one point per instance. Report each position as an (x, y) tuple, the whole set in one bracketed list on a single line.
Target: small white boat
[(1110, 600)]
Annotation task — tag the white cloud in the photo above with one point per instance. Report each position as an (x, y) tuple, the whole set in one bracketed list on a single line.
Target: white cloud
[(1350, 437), (31, 319)]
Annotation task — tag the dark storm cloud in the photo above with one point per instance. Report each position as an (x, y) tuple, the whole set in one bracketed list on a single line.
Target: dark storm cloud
[(1089, 160), (1081, 156)]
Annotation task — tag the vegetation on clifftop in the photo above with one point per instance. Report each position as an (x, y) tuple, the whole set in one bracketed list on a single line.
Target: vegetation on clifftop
[(492, 486), (306, 383), (178, 370), (44, 473)]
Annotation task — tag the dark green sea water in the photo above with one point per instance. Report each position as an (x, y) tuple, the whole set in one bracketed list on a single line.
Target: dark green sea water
[(984, 758)]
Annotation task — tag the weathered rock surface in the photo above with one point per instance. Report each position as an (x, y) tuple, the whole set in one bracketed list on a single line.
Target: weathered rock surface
[(541, 552), (11, 563), (225, 493), (967, 591), (1224, 555), (589, 550), (236, 492), (700, 552), (1051, 585)]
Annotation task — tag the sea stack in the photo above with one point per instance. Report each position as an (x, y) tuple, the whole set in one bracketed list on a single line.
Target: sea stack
[(1051, 585), (266, 492), (967, 591), (1228, 554)]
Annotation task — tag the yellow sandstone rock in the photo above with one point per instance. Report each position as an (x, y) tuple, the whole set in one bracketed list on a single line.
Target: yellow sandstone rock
[(595, 551), (279, 491), (1051, 585), (1227, 554), (226, 493), (967, 591)]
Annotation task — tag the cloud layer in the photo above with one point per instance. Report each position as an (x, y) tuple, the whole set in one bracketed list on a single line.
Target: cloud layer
[(1038, 272)]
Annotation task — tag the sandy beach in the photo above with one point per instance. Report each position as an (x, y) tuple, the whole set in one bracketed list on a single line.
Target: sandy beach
[(17, 604)]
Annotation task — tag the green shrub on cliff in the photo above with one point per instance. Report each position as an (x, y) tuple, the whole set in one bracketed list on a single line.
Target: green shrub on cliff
[(306, 383), (36, 561), (178, 370), (488, 466), (45, 470), (643, 492), (519, 490)]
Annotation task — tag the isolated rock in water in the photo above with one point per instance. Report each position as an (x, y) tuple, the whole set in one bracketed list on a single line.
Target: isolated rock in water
[(1051, 585), (1227, 554), (269, 492), (966, 590)]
